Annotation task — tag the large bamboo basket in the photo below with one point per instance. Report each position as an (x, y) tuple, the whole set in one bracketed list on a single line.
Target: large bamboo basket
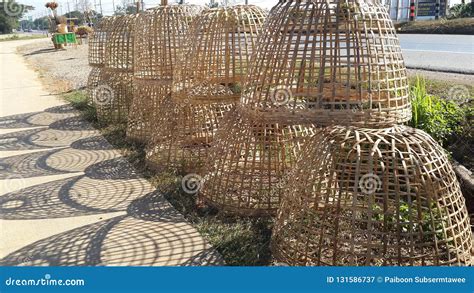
[(329, 62), (316, 62), (159, 34), (112, 95), (186, 152), (372, 197), (93, 81), (247, 161), (97, 40), (207, 82), (119, 48)]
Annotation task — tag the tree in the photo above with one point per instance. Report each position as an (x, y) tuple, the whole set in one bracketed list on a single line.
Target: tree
[(10, 15), (76, 14), (41, 23), (129, 9), (26, 24)]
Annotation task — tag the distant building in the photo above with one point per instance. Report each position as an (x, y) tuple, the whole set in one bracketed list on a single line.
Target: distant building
[(424, 9)]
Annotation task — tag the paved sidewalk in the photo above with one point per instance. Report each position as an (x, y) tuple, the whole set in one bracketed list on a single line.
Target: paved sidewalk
[(67, 198)]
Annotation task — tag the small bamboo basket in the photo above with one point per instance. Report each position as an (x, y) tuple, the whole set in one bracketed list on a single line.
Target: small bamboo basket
[(159, 34), (375, 197), (207, 83)]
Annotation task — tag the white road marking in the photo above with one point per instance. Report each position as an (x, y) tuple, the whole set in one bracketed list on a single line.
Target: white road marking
[(434, 51)]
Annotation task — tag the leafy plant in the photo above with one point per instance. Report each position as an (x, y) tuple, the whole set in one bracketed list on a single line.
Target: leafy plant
[(461, 10), (440, 118)]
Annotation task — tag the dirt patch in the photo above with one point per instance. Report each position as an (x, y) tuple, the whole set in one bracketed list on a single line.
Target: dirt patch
[(60, 70)]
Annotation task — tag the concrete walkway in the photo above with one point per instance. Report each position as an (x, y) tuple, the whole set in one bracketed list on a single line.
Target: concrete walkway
[(67, 198)]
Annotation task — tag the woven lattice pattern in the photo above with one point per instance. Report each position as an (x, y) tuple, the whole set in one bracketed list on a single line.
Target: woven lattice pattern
[(160, 34), (112, 96), (247, 161), (372, 197), (221, 42), (208, 79), (97, 41), (93, 81), (329, 62), (182, 140), (147, 96), (119, 48)]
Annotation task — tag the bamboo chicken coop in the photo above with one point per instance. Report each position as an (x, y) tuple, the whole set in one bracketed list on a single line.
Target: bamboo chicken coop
[(112, 97), (378, 197), (96, 57), (207, 83), (316, 63), (159, 34)]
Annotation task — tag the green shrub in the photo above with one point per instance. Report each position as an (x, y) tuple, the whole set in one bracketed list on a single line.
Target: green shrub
[(440, 118), (461, 10)]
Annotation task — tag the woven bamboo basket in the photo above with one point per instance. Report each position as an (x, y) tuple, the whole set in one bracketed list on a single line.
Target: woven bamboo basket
[(207, 82), (372, 197), (112, 95), (329, 62), (316, 62), (186, 152), (247, 161), (93, 81), (119, 48), (159, 34), (97, 41)]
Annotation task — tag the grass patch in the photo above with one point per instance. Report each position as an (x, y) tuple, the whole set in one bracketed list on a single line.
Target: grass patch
[(241, 241), (16, 37)]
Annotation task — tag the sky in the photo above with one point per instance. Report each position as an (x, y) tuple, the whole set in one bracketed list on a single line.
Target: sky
[(107, 5)]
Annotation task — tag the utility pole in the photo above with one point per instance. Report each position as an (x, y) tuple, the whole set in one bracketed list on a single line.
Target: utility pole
[(100, 5)]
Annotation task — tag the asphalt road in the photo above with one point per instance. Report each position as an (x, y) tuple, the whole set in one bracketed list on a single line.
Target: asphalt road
[(449, 53)]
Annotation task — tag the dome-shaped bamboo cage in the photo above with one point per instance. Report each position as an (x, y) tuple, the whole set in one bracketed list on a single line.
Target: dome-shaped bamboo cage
[(159, 34), (329, 62), (207, 83), (96, 56), (113, 96), (97, 41), (246, 162), (316, 62), (378, 197)]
